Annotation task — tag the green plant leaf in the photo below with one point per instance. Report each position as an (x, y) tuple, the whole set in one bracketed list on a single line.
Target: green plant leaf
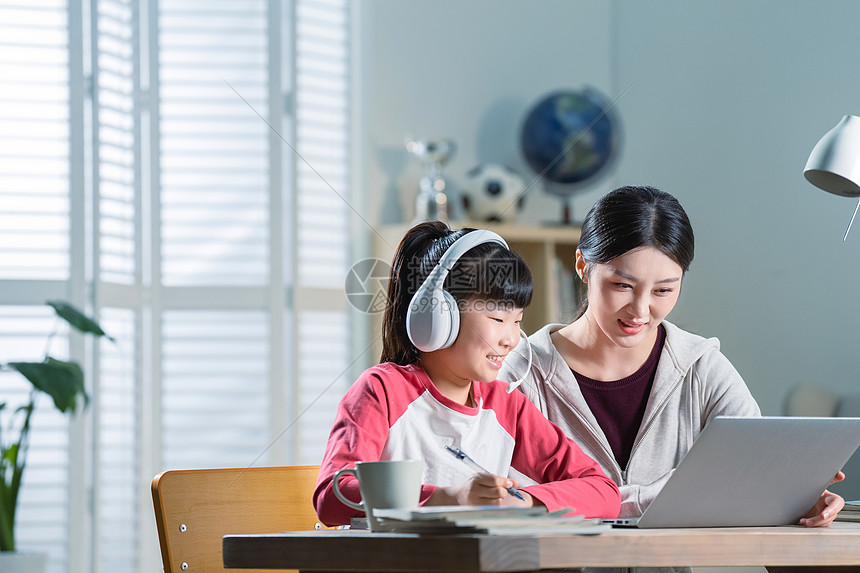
[(62, 381), (7, 517), (77, 319), (11, 455)]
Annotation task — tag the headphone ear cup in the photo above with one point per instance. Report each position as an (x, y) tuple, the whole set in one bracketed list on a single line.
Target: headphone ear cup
[(423, 319), (449, 321), (432, 320)]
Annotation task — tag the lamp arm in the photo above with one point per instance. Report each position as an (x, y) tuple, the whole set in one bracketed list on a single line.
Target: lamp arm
[(852, 220)]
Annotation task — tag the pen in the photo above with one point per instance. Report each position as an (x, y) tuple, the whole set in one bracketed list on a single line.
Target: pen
[(464, 457)]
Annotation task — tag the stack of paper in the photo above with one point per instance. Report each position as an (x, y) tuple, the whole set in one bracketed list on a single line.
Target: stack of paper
[(851, 511), (486, 519)]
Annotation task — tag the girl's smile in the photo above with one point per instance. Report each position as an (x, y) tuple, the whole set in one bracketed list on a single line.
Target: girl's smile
[(496, 360), (488, 332)]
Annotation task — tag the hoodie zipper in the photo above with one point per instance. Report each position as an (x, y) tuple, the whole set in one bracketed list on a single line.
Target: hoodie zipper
[(604, 446), (649, 425)]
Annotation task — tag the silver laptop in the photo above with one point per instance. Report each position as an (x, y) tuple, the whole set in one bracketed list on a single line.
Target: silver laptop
[(752, 472)]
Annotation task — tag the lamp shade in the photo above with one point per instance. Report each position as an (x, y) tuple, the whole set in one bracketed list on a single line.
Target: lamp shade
[(834, 164)]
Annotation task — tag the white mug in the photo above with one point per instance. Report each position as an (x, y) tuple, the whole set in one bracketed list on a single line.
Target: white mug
[(383, 485)]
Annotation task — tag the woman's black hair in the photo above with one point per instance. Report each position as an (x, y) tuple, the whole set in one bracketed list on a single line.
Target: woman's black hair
[(486, 272), (636, 216)]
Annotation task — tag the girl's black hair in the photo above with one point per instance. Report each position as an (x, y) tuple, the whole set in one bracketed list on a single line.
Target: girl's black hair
[(486, 272), (636, 216)]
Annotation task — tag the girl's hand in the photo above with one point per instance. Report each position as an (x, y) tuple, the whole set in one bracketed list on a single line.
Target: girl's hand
[(481, 489), (825, 509)]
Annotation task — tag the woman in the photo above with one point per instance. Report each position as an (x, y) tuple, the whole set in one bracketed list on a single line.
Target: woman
[(632, 389)]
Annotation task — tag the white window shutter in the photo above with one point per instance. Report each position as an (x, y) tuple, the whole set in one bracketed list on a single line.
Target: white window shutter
[(34, 141), (322, 133), (117, 121), (324, 213), (213, 61), (35, 250), (215, 310), (214, 185), (116, 185), (215, 387), (118, 435)]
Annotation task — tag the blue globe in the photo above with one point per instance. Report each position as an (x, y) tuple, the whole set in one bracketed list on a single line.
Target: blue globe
[(570, 137)]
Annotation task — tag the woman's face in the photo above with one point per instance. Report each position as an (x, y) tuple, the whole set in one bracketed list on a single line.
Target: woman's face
[(629, 296)]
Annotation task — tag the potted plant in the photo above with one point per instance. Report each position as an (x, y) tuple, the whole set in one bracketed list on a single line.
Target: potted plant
[(63, 381)]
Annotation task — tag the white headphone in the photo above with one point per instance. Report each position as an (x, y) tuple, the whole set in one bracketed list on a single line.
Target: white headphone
[(433, 317), (513, 385)]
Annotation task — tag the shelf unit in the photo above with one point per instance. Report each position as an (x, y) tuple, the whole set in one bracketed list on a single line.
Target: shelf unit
[(548, 251)]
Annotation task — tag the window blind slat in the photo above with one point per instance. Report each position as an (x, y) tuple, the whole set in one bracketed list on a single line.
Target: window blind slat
[(214, 400), (198, 57), (34, 147), (116, 112), (118, 432)]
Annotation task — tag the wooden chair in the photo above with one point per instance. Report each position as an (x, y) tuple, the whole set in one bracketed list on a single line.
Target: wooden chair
[(195, 508)]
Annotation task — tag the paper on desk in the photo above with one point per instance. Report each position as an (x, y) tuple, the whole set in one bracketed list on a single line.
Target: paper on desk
[(487, 519), (851, 511), (566, 525), (431, 512)]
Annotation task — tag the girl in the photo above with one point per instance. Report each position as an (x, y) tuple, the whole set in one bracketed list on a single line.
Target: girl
[(434, 390), (633, 389)]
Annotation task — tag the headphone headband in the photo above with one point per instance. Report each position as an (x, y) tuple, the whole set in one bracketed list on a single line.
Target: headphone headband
[(459, 248), (433, 319)]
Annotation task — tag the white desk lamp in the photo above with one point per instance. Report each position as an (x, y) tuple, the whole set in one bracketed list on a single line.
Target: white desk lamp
[(834, 164)]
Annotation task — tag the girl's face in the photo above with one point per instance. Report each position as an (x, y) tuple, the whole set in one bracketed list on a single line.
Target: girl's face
[(488, 331), (629, 296)]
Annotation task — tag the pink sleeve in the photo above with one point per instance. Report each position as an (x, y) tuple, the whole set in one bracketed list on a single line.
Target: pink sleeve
[(359, 433), (567, 477)]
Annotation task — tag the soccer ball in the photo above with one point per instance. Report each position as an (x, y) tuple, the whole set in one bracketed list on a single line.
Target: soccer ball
[(493, 193)]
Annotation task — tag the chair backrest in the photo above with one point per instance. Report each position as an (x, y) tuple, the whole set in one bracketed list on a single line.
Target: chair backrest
[(194, 509)]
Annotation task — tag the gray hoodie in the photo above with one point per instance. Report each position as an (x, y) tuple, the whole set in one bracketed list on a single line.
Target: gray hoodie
[(694, 382)]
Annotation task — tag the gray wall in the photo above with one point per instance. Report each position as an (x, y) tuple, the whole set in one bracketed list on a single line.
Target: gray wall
[(469, 71), (725, 101)]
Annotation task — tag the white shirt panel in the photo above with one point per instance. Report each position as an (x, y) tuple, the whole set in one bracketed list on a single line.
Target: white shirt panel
[(428, 426)]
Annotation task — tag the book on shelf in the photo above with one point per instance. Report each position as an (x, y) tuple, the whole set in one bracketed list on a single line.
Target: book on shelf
[(565, 291), (493, 520)]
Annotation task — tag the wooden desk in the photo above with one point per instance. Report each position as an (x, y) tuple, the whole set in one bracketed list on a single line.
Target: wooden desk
[(361, 551)]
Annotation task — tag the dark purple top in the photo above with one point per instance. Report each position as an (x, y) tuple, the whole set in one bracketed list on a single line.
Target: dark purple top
[(619, 406)]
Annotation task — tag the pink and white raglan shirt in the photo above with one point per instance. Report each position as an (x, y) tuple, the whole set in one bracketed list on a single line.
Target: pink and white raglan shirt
[(395, 412)]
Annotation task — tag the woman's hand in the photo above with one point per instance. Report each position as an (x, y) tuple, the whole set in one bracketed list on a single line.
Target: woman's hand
[(825, 509), (481, 489)]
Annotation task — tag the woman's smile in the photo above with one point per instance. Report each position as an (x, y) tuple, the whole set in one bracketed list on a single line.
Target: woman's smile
[(631, 327)]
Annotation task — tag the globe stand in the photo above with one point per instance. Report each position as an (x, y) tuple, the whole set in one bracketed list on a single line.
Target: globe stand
[(565, 193), (565, 212)]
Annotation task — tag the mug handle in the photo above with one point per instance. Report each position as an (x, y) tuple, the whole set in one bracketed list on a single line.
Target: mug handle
[(340, 496)]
